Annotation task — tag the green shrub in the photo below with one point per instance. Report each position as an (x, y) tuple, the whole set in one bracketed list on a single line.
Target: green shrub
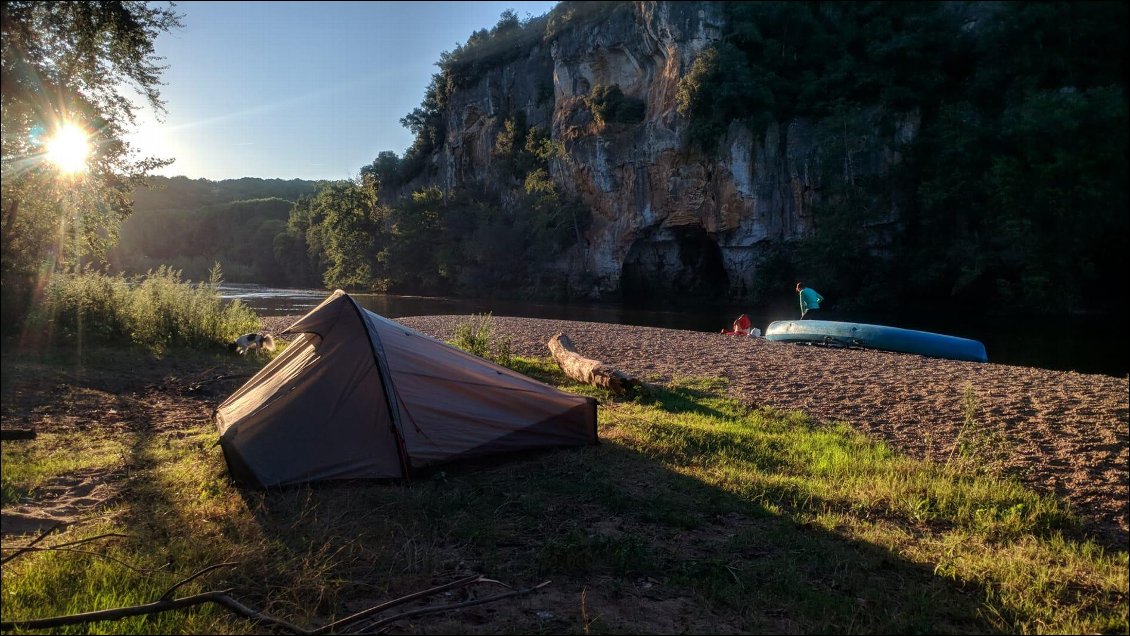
[(609, 105), (158, 310), (476, 335)]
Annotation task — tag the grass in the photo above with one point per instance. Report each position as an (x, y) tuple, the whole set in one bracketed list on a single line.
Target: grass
[(476, 335), (977, 447), (157, 311), (24, 470), (693, 514)]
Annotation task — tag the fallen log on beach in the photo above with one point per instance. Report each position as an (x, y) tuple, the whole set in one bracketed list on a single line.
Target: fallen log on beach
[(591, 371)]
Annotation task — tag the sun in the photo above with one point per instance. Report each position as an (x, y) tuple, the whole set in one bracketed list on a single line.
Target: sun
[(69, 148)]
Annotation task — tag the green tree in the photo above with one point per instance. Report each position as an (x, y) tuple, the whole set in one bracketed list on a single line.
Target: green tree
[(347, 230), (71, 63), (1059, 194), (1022, 194), (420, 257), (298, 239), (384, 171), (609, 105)]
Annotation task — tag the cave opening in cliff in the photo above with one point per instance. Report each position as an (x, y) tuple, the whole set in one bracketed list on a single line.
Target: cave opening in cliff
[(678, 265)]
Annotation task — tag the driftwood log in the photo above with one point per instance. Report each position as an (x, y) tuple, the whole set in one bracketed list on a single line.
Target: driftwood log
[(591, 371)]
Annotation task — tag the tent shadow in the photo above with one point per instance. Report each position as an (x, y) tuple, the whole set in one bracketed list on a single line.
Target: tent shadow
[(651, 549)]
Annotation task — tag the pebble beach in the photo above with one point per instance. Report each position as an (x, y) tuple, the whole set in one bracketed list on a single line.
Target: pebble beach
[(1059, 432)]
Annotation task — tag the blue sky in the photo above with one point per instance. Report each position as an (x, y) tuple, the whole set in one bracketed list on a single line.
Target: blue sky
[(300, 89)]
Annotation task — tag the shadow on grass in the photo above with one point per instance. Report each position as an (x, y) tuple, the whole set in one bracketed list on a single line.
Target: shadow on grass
[(136, 419), (651, 550), (631, 542)]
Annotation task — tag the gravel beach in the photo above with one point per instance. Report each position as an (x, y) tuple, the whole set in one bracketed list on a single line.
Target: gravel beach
[(1061, 432)]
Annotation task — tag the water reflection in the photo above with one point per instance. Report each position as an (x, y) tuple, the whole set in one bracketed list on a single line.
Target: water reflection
[(268, 301), (1078, 344)]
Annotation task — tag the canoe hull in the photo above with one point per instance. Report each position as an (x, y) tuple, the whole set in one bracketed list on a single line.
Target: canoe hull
[(854, 334)]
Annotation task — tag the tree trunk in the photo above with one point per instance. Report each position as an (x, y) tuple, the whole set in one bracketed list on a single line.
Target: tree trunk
[(9, 224), (590, 371)]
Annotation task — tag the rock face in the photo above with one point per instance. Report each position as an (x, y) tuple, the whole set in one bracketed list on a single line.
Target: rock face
[(666, 219)]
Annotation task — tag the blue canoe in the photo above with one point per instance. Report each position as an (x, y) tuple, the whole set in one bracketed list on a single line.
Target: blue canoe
[(854, 334)]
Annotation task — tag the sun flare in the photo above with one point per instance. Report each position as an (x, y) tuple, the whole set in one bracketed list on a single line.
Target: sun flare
[(69, 148)]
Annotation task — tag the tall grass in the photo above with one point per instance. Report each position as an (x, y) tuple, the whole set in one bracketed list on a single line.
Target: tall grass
[(977, 447), (476, 335), (157, 311)]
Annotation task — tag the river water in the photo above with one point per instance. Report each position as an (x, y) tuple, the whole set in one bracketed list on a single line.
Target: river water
[(1076, 344)]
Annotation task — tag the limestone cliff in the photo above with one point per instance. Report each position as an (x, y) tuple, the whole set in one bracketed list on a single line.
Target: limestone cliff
[(665, 217)]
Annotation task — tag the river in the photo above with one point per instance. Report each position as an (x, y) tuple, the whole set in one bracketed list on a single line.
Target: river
[(1081, 344)]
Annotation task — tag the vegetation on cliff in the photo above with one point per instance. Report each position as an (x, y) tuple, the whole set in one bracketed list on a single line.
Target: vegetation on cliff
[(609, 105), (1009, 122), (1019, 168)]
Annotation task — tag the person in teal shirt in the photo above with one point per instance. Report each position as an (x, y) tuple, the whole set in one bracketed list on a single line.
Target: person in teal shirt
[(810, 301)]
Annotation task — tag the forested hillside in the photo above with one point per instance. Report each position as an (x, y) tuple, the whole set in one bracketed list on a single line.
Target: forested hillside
[(191, 224)]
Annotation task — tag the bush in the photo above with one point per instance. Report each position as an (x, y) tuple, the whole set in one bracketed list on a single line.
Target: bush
[(157, 311), (476, 336), (610, 105)]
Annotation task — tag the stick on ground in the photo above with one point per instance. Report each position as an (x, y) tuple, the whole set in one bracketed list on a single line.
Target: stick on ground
[(376, 626), (349, 620), (219, 597), (26, 548)]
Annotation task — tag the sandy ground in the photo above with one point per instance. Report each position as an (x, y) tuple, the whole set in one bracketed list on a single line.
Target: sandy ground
[(1060, 432)]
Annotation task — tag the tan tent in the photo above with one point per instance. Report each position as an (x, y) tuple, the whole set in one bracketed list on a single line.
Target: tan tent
[(356, 395)]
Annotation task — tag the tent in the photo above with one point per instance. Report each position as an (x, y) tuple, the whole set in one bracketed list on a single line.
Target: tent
[(356, 395)]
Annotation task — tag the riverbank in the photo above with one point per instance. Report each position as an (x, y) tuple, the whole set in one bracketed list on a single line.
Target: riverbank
[(1060, 432), (694, 514)]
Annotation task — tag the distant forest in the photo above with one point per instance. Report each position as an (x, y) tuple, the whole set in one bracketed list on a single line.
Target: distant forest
[(191, 224)]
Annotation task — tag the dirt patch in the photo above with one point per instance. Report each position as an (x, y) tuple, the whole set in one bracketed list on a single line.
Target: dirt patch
[(111, 394), (62, 500)]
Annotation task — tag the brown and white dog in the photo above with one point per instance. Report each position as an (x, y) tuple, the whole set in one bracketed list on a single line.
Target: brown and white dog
[(251, 342)]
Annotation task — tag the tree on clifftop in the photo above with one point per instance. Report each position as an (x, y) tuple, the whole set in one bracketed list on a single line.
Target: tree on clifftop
[(67, 170)]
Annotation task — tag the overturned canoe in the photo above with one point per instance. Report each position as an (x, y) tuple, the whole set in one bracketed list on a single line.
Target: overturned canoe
[(854, 334)]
